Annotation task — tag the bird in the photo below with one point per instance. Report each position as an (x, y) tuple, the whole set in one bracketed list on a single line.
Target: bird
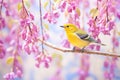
[(78, 37)]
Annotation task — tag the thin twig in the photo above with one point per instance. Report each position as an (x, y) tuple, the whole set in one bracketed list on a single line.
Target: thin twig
[(107, 15), (41, 24), (79, 51), (1, 7), (23, 5), (50, 6)]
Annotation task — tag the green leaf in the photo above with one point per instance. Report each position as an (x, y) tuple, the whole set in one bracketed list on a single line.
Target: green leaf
[(46, 26), (57, 56), (45, 4), (10, 60), (78, 11), (27, 2), (19, 6), (94, 12), (19, 59)]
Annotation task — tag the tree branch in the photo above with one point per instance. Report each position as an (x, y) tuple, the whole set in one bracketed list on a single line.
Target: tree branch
[(41, 25), (79, 51), (1, 4)]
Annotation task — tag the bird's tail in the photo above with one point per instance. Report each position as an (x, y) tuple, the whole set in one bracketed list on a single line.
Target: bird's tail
[(101, 44), (94, 41)]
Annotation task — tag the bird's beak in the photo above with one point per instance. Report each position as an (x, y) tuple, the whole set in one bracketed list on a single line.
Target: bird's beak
[(62, 26)]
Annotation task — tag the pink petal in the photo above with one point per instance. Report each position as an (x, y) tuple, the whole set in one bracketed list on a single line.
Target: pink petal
[(69, 9), (45, 16), (46, 64), (27, 49), (31, 16)]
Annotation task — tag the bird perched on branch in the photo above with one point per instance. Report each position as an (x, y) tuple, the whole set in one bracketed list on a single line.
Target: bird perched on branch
[(78, 37)]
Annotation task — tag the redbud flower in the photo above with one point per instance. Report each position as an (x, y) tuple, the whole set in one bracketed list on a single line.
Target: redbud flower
[(2, 22), (62, 6), (66, 44), (2, 50), (42, 59), (10, 76)]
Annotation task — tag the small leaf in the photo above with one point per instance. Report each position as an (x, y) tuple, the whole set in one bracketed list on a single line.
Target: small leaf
[(57, 1), (45, 4), (27, 3), (46, 26), (19, 59), (57, 56), (19, 6), (10, 60), (78, 11), (118, 33), (94, 12)]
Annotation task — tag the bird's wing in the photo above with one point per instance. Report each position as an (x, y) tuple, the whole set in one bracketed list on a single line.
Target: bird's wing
[(84, 36)]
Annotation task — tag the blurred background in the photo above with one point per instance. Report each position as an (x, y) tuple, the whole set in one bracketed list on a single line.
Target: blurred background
[(22, 57)]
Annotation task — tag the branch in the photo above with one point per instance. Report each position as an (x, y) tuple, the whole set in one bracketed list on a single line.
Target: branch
[(1, 4), (40, 14), (79, 51)]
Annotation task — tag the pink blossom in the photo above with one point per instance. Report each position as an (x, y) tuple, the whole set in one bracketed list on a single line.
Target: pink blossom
[(2, 53), (106, 74), (106, 64), (46, 64), (2, 50), (69, 9), (31, 16), (115, 42), (10, 76), (66, 44), (19, 73), (51, 17), (111, 25), (73, 5), (45, 36), (37, 64), (7, 13), (27, 48), (62, 6), (35, 49), (45, 16), (24, 34), (91, 46), (118, 15), (24, 22), (97, 47), (86, 4), (42, 59), (2, 22)]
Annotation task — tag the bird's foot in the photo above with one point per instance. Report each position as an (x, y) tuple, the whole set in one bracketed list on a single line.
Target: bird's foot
[(76, 49), (83, 49)]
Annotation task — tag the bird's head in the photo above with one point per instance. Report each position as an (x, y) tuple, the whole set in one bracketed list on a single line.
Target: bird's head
[(69, 28)]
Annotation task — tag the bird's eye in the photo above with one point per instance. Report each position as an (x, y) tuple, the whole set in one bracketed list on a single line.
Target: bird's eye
[(67, 26)]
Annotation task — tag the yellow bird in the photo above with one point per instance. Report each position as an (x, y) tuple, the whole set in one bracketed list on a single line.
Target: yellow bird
[(78, 37)]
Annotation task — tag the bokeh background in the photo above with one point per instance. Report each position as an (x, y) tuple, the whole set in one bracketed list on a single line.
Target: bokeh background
[(64, 65)]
